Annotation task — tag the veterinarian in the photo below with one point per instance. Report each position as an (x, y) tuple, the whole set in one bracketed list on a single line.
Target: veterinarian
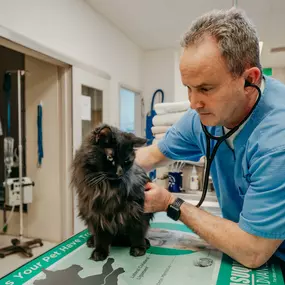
[(220, 66)]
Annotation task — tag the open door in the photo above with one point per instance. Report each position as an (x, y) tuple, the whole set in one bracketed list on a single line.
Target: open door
[(90, 107)]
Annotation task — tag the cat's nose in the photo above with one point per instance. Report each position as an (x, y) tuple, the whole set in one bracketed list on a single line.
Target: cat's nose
[(119, 171)]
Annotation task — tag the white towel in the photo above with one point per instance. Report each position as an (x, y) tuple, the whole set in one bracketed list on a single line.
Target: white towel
[(174, 107), (159, 129), (167, 119), (155, 141), (159, 136)]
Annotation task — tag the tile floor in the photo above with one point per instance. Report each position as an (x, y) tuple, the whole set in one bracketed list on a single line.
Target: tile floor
[(12, 262)]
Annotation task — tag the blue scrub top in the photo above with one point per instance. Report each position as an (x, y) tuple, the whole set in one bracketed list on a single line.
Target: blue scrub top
[(249, 180)]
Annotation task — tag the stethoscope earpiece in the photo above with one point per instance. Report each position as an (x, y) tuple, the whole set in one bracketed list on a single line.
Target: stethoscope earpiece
[(247, 83)]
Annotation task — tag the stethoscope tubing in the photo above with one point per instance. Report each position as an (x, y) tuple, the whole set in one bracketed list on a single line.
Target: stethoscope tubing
[(210, 156)]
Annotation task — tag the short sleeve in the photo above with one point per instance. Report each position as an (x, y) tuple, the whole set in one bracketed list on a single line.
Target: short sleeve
[(263, 212), (181, 141)]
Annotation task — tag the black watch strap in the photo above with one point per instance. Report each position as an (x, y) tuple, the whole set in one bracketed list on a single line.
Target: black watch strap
[(178, 202)]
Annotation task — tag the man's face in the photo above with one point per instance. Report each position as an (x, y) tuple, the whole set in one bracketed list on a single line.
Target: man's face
[(213, 92)]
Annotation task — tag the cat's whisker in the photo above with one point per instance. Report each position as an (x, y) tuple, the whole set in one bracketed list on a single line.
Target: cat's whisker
[(96, 180)]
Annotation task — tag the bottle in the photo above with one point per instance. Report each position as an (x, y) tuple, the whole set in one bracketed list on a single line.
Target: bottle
[(194, 179)]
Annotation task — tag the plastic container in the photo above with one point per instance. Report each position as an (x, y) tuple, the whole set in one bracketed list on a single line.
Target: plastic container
[(175, 181), (194, 179)]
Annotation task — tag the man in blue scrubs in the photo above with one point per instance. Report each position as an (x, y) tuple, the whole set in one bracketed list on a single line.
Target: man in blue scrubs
[(221, 52)]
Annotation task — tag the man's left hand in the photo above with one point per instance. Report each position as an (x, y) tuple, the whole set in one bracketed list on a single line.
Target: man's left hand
[(157, 198)]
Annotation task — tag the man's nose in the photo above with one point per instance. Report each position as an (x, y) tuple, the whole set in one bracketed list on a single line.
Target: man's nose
[(119, 171), (195, 101)]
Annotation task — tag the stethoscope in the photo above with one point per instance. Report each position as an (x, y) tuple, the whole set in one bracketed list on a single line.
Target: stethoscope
[(210, 156)]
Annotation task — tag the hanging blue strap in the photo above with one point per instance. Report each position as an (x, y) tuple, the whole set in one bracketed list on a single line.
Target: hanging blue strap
[(150, 115), (40, 135), (7, 89), (153, 97), (149, 118)]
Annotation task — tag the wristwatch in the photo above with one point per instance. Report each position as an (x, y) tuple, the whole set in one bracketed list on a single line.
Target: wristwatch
[(173, 210)]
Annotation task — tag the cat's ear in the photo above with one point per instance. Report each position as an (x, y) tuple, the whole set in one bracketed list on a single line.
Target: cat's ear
[(137, 141), (103, 136)]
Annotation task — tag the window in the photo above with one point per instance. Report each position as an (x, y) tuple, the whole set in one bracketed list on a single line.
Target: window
[(130, 111)]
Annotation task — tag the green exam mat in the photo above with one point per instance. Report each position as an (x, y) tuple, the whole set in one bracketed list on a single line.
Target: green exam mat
[(177, 256)]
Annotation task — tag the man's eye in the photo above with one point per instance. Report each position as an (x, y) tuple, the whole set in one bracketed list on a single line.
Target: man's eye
[(204, 90)]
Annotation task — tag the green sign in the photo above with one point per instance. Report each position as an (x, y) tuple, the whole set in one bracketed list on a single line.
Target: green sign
[(233, 273), (267, 71)]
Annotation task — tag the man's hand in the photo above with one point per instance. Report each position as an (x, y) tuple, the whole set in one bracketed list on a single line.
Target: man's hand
[(157, 198), (150, 157)]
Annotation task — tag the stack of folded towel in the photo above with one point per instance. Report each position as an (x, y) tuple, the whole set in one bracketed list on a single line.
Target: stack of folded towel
[(167, 115)]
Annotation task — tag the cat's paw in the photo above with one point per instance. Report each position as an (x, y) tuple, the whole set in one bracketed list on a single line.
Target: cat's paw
[(90, 242), (137, 251), (99, 255), (147, 243)]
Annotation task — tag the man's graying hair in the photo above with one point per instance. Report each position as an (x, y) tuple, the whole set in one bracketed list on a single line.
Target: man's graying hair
[(235, 34)]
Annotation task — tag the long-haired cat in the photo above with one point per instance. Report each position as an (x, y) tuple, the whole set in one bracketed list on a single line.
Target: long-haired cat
[(110, 189)]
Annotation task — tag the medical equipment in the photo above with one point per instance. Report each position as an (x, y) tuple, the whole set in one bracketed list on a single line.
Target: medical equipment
[(8, 154), (210, 157), (12, 188)]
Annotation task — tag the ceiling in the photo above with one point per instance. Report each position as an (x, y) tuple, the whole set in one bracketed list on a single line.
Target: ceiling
[(159, 24)]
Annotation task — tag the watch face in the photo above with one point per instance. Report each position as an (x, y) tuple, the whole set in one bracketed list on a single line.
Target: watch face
[(173, 212)]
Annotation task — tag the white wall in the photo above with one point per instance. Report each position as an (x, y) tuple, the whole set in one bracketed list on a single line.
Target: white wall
[(161, 71), (72, 28), (180, 91), (279, 73), (158, 73)]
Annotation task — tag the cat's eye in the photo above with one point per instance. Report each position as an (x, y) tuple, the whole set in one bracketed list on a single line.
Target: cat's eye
[(127, 161), (110, 157)]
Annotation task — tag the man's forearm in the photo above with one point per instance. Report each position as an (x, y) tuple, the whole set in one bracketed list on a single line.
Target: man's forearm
[(150, 157), (226, 236)]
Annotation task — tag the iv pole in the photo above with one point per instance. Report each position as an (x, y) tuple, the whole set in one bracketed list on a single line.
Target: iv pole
[(19, 74)]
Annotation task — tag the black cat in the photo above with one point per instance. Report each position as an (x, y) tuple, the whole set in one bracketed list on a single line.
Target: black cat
[(110, 189)]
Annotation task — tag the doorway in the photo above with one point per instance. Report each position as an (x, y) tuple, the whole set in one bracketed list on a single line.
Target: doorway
[(46, 83), (90, 107)]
